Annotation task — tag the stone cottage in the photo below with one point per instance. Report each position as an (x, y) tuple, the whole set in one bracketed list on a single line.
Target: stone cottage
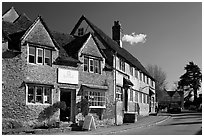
[(36, 72)]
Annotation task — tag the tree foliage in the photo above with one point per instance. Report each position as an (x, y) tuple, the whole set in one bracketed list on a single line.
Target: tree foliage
[(160, 79), (191, 78)]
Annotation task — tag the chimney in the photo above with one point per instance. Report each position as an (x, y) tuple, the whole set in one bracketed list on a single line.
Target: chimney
[(117, 33)]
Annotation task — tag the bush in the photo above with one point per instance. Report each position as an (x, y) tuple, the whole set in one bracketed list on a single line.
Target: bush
[(11, 124), (48, 112)]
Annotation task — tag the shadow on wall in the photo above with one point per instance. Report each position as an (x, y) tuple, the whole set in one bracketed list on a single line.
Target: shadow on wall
[(48, 112)]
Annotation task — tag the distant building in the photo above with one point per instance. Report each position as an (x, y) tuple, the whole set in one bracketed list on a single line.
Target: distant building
[(172, 96)]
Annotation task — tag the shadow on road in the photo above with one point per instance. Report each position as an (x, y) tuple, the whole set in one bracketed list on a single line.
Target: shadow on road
[(199, 132), (185, 123)]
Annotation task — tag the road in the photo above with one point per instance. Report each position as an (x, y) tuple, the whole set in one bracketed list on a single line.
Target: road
[(178, 124)]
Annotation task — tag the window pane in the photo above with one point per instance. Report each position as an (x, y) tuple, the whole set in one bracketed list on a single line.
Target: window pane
[(91, 65), (31, 95), (85, 64), (40, 56), (96, 66), (47, 57), (39, 94), (31, 54), (31, 50), (47, 95)]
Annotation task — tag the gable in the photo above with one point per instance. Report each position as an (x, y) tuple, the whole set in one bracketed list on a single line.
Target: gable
[(90, 48), (86, 28), (38, 34), (10, 16)]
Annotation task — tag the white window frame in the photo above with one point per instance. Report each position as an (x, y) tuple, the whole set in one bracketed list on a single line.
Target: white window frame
[(43, 97), (90, 59), (37, 55), (49, 58), (29, 55), (95, 98), (85, 57)]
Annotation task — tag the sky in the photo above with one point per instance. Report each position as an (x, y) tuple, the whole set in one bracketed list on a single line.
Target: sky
[(172, 30)]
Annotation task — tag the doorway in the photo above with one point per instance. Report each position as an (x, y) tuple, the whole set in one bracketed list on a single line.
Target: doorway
[(65, 95)]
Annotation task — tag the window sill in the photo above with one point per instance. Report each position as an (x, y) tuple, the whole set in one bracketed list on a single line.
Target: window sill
[(38, 104), (97, 106)]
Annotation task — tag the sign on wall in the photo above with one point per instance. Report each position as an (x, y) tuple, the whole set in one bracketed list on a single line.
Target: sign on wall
[(68, 76)]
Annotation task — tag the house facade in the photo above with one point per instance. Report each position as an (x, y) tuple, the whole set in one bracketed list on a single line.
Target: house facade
[(88, 70), (34, 73), (133, 88)]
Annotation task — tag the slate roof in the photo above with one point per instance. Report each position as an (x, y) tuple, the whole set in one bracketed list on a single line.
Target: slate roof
[(16, 30), (113, 46), (75, 45)]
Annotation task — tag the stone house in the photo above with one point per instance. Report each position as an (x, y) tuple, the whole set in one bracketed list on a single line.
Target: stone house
[(132, 89), (40, 68), (36, 72)]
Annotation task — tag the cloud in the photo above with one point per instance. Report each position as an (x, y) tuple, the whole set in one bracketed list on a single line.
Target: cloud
[(134, 38)]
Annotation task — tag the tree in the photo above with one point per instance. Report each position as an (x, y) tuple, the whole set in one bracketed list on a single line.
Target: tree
[(191, 79), (160, 80)]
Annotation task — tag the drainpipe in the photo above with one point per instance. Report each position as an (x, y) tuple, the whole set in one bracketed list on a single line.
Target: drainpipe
[(115, 88)]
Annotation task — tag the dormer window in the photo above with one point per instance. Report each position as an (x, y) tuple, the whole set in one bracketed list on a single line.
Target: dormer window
[(37, 55), (80, 31), (92, 65)]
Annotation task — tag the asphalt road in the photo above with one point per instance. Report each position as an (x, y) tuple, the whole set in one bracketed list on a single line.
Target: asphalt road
[(178, 124)]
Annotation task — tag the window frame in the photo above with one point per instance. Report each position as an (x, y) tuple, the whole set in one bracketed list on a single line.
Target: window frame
[(87, 65), (94, 99), (131, 99), (37, 50), (35, 86), (131, 70), (31, 54), (50, 53), (136, 73), (95, 61)]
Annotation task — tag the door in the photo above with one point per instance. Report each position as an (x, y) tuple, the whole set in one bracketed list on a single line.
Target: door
[(65, 95)]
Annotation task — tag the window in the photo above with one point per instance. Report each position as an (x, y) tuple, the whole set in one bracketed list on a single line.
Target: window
[(86, 63), (92, 65), (119, 93), (39, 94), (140, 76), (131, 70), (144, 98), (147, 80), (136, 73), (136, 96), (96, 99), (47, 57), (97, 66), (143, 77), (39, 56), (131, 95), (121, 65), (140, 96), (31, 54), (80, 31)]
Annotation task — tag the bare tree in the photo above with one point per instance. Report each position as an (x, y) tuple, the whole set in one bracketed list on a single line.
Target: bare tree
[(160, 80)]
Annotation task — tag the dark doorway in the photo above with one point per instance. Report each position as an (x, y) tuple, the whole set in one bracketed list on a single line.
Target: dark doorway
[(65, 96)]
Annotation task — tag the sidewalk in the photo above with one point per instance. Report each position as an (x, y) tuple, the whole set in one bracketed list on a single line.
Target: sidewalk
[(142, 122)]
